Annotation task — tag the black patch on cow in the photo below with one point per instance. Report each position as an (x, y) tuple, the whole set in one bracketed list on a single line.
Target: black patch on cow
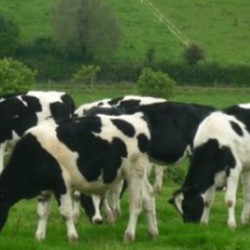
[(241, 114), (31, 169), (32, 102), (236, 128), (115, 101), (16, 116), (143, 143), (126, 128), (64, 109), (172, 126), (105, 111), (102, 158), (207, 160), (96, 156)]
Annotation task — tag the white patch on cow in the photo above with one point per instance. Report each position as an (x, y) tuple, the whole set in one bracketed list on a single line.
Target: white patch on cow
[(85, 107), (244, 105), (178, 202), (144, 100), (220, 179)]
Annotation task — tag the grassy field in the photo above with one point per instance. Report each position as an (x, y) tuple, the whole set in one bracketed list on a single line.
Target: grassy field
[(220, 27), (20, 228)]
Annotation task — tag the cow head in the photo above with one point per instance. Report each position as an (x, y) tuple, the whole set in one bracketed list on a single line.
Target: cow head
[(189, 203)]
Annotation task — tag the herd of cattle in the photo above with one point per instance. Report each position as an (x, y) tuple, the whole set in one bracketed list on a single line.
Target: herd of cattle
[(87, 155)]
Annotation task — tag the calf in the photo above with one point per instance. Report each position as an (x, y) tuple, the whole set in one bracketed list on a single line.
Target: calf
[(90, 154), (21, 112), (221, 154)]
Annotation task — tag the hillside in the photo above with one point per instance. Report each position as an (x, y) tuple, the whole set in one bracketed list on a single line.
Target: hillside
[(221, 28)]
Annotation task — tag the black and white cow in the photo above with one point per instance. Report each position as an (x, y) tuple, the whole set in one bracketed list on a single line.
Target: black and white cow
[(172, 125), (90, 154), (221, 155), (23, 111)]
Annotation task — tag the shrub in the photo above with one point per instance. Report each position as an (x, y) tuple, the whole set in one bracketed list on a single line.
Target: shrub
[(193, 54), (15, 76), (155, 83), (86, 74)]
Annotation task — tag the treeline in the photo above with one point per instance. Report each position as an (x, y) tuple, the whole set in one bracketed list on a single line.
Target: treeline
[(88, 33)]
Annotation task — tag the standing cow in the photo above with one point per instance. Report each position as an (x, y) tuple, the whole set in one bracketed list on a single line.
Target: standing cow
[(172, 125), (20, 112), (90, 154), (221, 155)]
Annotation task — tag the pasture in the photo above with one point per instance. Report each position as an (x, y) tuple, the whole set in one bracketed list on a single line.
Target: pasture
[(20, 228), (222, 29)]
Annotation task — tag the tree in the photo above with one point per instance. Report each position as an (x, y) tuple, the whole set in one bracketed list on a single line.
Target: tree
[(86, 26), (193, 53), (9, 36)]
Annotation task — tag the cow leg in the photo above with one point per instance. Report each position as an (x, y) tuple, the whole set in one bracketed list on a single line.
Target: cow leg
[(159, 172), (115, 198), (135, 205), (76, 206), (109, 212), (245, 177), (65, 204), (43, 211), (135, 178), (230, 194), (149, 208), (97, 218), (208, 202)]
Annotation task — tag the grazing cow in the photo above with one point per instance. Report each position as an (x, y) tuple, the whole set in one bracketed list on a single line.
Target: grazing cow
[(90, 154), (172, 125), (221, 154), (23, 111)]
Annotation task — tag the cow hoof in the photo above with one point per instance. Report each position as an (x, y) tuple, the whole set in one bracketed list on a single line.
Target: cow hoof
[(244, 220), (232, 225), (40, 236), (128, 237), (117, 213), (110, 218), (157, 189), (97, 221), (153, 234), (73, 238)]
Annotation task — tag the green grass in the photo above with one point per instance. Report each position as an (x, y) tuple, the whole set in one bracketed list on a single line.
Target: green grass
[(220, 27), (19, 230)]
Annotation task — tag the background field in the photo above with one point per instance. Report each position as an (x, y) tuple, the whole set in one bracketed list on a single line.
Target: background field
[(20, 228), (221, 28)]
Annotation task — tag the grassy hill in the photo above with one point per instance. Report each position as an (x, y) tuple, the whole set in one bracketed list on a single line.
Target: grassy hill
[(221, 28)]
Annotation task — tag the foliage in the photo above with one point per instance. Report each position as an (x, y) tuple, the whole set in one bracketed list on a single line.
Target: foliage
[(9, 36), (86, 74), (86, 27), (15, 76), (193, 54), (155, 83)]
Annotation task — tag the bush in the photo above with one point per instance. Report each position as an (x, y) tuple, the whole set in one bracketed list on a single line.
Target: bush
[(15, 76), (86, 74), (193, 54), (155, 83)]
